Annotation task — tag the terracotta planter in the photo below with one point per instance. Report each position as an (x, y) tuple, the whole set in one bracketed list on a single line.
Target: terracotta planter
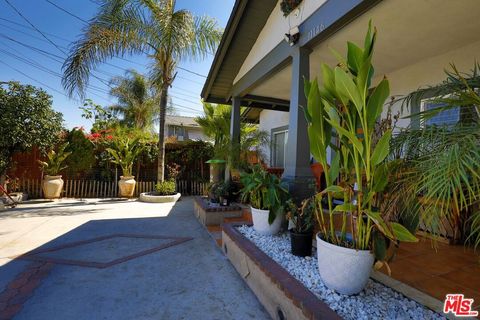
[(317, 170), (342, 269), (126, 186), (52, 186)]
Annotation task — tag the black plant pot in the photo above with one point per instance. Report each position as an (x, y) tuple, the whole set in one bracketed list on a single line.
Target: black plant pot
[(301, 243)]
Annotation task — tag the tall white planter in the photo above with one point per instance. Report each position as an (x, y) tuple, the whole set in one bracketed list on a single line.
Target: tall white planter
[(261, 225), (126, 186), (342, 269), (52, 186)]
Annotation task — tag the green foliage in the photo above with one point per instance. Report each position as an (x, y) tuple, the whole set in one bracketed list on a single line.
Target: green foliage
[(263, 191), (138, 101), (216, 125), (82, 152), (288, 6), (301, 217), (55, 160), (155, 28), (101, 118), (165, 188), (124, 151), (27, 120), (346, 106)]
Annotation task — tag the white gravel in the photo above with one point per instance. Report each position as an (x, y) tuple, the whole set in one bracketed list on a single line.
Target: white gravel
[(375, 302)]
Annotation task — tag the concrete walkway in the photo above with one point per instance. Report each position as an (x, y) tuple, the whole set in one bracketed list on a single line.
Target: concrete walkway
[(153, 277)]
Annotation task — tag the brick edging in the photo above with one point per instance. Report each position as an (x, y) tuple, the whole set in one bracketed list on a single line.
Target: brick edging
[(312, 307)]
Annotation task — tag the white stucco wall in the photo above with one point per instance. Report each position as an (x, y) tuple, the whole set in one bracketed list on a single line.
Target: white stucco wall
[(274, 31), (428, 72), (197, 134), (269, 120)]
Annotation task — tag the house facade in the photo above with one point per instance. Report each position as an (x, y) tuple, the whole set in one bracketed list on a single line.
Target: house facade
[(183, 128), (258, 66)]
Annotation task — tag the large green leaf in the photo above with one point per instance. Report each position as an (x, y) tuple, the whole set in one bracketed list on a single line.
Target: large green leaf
[(382, 148), (345, 207), (402, 234), (380, 178), (380, 223), (335, 167), (354, 57), (347, 90), (376, 102)]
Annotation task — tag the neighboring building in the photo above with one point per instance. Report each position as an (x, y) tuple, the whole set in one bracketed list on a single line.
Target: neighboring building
[(255, 67), (183, 128)]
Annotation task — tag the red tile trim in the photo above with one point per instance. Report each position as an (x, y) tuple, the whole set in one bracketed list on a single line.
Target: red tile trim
[(34, 254), (312, 307), (19, 290)]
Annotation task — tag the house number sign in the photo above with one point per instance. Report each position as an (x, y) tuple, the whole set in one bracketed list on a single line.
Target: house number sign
[(314, 31)]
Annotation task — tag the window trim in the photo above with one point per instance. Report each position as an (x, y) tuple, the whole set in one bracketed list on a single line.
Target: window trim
[(273, 132)]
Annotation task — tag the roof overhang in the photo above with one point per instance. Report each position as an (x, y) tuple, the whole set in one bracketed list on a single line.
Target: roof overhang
[(244, 25)]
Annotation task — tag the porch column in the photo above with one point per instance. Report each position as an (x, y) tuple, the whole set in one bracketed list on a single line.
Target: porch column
[(234, 130), (297, 172)]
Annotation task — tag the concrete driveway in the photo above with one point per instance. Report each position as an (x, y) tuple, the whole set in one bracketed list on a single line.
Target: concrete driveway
[(99, 259)]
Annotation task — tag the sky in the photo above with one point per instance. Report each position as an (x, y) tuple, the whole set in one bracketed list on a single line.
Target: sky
[(30, 58)]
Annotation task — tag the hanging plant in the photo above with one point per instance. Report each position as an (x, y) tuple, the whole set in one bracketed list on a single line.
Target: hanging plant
[(288, 6)]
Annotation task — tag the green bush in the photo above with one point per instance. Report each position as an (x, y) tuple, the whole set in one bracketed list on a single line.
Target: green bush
[(165, 188)]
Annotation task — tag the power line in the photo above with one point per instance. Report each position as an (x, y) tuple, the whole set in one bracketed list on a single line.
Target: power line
[(33, 26), (86, 22)]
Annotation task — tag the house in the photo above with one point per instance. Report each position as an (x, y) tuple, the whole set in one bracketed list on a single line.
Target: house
[(264, 57), (183, 128)]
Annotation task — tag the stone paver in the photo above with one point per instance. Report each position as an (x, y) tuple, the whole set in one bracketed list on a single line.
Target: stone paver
[(190, 280)]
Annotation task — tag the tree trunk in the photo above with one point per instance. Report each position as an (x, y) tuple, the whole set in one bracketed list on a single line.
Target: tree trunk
[(161, 134)]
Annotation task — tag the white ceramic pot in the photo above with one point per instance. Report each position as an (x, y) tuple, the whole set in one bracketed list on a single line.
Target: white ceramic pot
[(342, 269), (126, 186), (52, 186), (261, 225)]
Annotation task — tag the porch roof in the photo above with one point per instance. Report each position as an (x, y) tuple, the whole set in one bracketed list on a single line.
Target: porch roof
[(244, 25)]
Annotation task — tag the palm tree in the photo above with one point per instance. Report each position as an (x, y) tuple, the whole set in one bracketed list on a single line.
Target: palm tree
[(137, 100), (216, 124), (154, 27)]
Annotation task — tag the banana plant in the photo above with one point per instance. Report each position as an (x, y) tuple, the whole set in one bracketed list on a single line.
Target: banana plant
[(55, 159), (124, 151), (346, 107)]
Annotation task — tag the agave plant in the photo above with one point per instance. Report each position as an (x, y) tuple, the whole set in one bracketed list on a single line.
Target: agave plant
[(55, 159), (124, 151), (346, 107)]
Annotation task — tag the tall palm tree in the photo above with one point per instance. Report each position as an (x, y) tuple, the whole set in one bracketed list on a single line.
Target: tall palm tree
[(137, 100), (154, 27)]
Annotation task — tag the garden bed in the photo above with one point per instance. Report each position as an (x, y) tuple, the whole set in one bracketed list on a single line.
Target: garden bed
[(213, 214), (376, 301)]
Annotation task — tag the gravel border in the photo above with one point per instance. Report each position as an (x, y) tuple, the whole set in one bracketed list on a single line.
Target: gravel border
[(375, 302)]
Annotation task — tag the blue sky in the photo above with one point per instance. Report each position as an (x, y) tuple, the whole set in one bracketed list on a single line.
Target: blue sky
[(27, 57)]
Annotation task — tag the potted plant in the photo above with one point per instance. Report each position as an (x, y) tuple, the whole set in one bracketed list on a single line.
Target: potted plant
[(124, 151), (301, 226), (265, 194), (344, 106), (52, 183)]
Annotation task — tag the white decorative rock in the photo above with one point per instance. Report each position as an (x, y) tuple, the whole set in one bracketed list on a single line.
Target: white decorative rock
[(260, 222)]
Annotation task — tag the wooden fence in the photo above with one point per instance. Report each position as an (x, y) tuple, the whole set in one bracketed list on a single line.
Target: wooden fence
[(105, 189)]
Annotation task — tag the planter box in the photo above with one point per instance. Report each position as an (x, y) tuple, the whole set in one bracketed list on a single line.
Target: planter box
[(209, 216), (283, 296)]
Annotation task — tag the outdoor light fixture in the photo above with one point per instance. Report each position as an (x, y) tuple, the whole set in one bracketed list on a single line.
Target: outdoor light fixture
[(293, 36)]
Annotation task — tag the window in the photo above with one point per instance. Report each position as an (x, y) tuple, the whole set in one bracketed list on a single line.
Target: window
[(279, 146), (178, 132), (447, 117)]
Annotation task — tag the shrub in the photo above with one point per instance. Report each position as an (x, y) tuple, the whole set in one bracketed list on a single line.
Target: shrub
[(165, 188)]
